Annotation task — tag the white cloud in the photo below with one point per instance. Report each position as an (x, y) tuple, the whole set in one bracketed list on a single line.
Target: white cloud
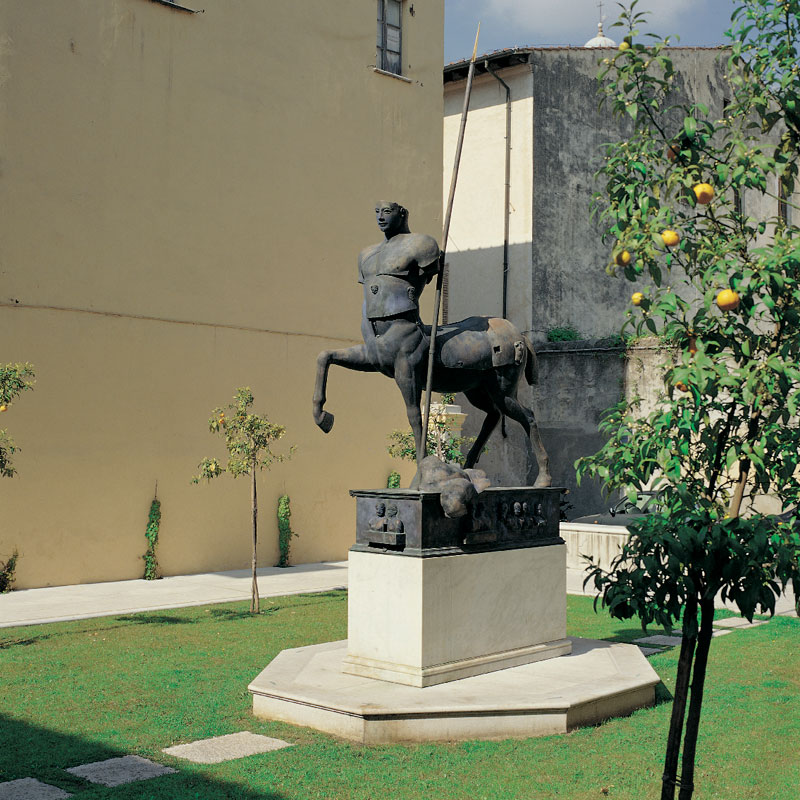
[(556, 21)]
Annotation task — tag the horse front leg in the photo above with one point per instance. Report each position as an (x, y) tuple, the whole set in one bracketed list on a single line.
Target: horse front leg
[(350, 357)]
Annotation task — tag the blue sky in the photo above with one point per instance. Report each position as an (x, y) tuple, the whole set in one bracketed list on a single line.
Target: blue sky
[(517, 23)]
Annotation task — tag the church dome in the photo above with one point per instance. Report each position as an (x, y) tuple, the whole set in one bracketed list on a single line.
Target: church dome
[(601, 40)]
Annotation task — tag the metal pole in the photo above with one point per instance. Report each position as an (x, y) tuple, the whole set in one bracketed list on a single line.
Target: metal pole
[(445, 233)]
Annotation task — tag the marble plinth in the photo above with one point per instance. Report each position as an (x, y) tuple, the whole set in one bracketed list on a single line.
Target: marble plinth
[(423, 621), (598, 680)]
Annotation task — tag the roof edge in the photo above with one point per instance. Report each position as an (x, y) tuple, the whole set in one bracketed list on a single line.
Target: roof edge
[(514, 56)]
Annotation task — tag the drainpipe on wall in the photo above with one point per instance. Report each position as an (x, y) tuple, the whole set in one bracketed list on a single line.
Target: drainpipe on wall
[(506, 211)]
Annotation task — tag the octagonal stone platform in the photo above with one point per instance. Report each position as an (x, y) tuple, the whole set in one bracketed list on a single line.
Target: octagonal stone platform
[(598, 680)]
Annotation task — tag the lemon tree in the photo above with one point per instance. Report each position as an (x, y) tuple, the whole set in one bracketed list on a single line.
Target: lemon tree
[(248, 439), (726, 288)]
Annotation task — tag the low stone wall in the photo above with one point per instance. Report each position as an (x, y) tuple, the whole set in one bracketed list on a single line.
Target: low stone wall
[(602, 542)]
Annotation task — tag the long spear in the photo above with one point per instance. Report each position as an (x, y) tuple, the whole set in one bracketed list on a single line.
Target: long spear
[(445, 233)]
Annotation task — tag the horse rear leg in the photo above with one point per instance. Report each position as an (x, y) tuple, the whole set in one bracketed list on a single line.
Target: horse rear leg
[(481, 400), (350, 357), (514, 409)]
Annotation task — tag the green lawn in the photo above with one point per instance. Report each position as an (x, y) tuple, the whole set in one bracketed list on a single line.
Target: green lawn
[(84, 691)]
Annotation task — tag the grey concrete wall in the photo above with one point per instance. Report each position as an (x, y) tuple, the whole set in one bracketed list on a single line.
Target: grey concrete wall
[(569, 284)]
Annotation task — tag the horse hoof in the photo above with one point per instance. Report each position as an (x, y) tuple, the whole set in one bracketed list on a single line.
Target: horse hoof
[(325, 421)]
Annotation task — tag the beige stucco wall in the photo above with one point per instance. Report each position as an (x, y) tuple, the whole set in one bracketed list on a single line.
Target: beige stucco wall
[(184, 198)]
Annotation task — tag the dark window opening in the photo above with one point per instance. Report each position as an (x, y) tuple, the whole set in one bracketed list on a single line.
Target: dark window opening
[(783, 205), (389, 36)]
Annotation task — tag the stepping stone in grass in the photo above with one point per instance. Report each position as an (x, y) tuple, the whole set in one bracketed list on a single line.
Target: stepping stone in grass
[(30, 789), (738, 622), (660, 639), (116, 771), (225, 748), (648, 651)]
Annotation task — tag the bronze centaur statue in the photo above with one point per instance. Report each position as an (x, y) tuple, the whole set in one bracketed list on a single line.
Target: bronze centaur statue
[(483, 357)]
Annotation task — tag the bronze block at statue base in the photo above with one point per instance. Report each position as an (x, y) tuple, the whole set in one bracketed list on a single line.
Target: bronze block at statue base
[(499, 518)]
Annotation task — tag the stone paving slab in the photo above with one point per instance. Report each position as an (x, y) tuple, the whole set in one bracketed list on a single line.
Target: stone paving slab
[(660, 639), (225, 748), (648, 651), (30, 789), (738, 622), (117, 771)]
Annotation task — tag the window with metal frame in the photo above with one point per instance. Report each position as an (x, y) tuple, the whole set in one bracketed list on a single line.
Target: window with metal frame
[(389, 36)]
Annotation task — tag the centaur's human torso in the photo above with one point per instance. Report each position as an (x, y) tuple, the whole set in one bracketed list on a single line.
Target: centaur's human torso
[(394, 273)]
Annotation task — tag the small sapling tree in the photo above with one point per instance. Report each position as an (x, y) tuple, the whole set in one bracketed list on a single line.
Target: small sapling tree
[(726, 428), (14, 379), (248, 439)]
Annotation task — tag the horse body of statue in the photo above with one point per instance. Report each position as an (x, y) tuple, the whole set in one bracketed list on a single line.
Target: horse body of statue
[(483, 357)]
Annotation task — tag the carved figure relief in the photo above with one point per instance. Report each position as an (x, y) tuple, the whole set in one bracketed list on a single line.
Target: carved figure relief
[(378, 522), (480, 519), (539, 519), (393, 524)]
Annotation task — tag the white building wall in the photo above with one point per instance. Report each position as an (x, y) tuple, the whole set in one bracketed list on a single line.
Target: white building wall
[(475, 252)]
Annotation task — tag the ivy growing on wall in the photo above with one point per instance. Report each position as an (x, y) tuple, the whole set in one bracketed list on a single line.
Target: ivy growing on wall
[(151, 534), (285, 532), (7, 570)]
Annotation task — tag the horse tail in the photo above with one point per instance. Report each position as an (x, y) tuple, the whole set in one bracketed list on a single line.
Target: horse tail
[(531, 364)]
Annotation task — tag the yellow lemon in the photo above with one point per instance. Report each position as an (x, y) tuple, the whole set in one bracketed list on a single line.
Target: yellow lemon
[(728, 300), (636, 298), (3, 408), (624, 45), (623, 258), (670, 238), (704, 192)]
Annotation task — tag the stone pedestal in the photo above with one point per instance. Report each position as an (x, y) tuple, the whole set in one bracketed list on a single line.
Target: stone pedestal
[(457, 630), (598, 680), (423, 621)]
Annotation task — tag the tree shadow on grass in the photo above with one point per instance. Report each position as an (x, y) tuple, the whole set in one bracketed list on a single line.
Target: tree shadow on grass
[(231, 614), (154, 619), (31, 751), (9, 643)]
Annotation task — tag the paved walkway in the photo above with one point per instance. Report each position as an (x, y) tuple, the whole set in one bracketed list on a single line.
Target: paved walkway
[(60, 603), (82, 601)]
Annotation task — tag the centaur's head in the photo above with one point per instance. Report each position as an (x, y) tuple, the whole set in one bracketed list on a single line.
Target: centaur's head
[(392, 218)]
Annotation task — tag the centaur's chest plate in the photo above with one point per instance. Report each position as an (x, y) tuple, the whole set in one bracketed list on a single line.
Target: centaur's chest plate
[(395, 272)]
